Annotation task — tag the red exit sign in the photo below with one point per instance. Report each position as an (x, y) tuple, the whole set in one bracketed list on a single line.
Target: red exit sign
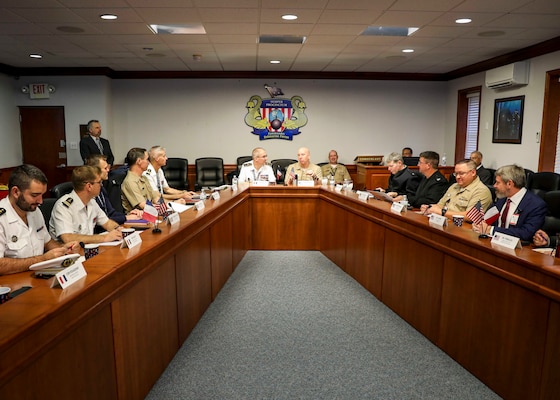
[(39, 91)]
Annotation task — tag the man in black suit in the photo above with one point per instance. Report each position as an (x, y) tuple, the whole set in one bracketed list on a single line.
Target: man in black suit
[(484, 175), (94, 144), (433, 185), (522, 212)]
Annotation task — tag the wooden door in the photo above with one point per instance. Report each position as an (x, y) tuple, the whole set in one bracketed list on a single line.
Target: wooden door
[(43, 141)]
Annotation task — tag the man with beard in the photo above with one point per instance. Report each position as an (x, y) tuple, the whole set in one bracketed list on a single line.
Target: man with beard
[(24, 238)]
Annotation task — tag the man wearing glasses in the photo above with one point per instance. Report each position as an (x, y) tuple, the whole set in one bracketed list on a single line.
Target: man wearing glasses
[(463, 195), (75, 215), (257, 169)]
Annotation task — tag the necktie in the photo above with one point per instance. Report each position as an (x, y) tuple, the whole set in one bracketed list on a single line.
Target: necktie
[(505, 212), (98, 142)]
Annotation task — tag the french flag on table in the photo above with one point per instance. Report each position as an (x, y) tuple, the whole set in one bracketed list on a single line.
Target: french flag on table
[(150, 213), (491, 215)]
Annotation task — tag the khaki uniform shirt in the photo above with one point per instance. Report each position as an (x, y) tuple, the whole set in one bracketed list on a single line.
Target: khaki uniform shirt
[(463, 199), (135, 190), (339, 172), (71, 215), (18, 240), (301, 172)]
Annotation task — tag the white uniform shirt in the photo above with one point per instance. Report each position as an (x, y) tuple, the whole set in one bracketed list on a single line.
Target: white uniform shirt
[(157, 180), (18, 240), (249, 173), (70, 215)]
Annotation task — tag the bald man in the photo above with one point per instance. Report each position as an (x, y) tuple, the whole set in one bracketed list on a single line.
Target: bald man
[(303, 169)]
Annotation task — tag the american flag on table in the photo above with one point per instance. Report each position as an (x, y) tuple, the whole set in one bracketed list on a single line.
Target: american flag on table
[(278, 173), (293, 173), (475, 214), (161, 207)]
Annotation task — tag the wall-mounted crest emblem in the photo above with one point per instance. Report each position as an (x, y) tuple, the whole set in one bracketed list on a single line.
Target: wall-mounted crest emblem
[(276, 118)]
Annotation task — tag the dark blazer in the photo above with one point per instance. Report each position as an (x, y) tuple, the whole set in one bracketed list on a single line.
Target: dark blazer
[(430, 190), (105, 204), (485, 176), (532, 210), (88, 146), (404, 182)]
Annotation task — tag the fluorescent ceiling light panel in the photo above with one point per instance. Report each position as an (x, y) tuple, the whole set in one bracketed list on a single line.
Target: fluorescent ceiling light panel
[(187, 29), (282, 39), (388, 31)]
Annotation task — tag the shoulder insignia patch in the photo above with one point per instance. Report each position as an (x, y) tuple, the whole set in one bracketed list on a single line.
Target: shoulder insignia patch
[(2, 211), (68, 202), (247, 164)]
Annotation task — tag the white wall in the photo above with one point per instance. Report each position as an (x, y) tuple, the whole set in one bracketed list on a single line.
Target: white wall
[(205, 117), (525, 154)]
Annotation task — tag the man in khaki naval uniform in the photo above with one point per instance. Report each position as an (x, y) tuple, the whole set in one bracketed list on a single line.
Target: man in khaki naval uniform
[(303, 169), (463, 195), (24, 238), (135, 189), (334, 169)]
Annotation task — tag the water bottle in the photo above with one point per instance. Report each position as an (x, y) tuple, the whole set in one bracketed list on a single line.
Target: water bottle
[(404, 200), (444, 160), (202, 194), (234, 182)]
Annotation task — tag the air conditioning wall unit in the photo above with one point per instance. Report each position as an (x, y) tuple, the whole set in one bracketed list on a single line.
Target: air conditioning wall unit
[(509, 75)]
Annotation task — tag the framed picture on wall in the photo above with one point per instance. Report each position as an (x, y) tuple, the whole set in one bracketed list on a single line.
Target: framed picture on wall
[(508, 120)]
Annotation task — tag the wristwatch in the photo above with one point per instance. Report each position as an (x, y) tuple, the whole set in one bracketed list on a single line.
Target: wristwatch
[(443, 211)]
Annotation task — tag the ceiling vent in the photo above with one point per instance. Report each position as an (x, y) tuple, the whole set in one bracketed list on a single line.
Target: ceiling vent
[(509, 75)]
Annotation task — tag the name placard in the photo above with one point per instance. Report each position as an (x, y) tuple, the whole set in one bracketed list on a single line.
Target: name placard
[(305, 183), (338, 188), (397, 207), (199, 205), (260, 183), (173, 218), (69, 276), (437, 221), (131, 240), (363, 195), (216, 195), (507, 241)]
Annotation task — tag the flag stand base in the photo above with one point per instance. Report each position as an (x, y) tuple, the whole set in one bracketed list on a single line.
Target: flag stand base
[(483, 236)]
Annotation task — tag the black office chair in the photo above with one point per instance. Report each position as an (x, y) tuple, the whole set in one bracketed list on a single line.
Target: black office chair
[(552, 220), (240, 161), (492, 174), (279, 167), (61, 189), (113, 186), (209, 172), (46, 209), (542, 182), (177, 173)]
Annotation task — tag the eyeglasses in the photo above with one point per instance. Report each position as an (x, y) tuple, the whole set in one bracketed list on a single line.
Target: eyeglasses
[(460, 173)]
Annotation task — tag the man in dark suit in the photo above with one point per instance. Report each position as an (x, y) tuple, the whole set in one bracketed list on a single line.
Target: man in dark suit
[(94, 144), (403, 181), (484, 175), (433, 184), (522, 212)]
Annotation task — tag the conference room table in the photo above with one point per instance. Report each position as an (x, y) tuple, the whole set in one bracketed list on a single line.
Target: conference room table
[(111, 334)]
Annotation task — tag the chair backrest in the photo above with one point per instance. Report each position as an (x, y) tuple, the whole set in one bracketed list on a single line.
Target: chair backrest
[(113, 187), (209, 172), (61, 189), (177, 173), (542, 182), (280, 165), (46, 209), (552, 220)]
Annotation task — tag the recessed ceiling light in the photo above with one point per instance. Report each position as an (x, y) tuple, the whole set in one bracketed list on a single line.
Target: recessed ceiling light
[(35, 56), (289, 17), (274, 61), (108, 16), (408, 51), (463, 21)]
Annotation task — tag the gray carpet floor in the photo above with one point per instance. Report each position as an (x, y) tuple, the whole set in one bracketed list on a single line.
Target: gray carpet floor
[(292, 325)]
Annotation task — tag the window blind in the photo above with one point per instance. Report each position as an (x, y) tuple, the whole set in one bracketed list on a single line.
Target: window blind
[(472, 123)]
